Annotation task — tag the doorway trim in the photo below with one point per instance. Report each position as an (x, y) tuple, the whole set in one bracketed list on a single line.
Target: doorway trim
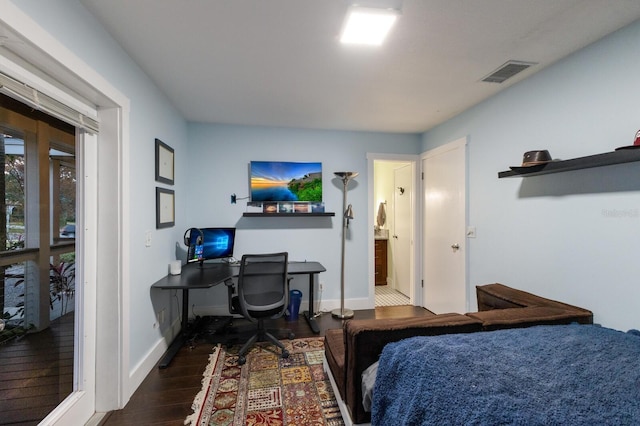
[(416, 226)]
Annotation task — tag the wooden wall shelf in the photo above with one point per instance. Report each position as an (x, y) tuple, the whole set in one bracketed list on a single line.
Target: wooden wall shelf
[(598, 160), (288, 214)]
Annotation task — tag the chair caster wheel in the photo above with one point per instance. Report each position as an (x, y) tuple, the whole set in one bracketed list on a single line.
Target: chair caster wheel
[(285, 354), (292, 336), (241, 360)]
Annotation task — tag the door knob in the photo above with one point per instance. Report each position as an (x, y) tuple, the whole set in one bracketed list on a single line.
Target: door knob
[(455, 247)]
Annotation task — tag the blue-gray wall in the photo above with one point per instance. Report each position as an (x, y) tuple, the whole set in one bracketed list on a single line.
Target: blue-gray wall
[(573, 236), (219, 157)]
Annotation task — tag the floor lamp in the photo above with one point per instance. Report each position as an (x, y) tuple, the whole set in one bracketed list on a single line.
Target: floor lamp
[(347, 214)]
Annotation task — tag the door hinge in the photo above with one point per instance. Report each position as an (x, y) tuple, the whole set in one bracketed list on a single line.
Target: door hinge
[(422, 283), (422, 175)]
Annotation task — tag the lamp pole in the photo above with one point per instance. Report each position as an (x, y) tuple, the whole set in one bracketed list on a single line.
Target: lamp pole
[(347, 213)]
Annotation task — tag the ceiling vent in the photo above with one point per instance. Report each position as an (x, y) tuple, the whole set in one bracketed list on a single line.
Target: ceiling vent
[(507, 71)]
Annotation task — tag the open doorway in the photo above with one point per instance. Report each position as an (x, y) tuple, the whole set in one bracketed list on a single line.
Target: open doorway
[(393, 231)]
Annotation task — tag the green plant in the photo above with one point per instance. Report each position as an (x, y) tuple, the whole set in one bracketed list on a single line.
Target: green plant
[(62, 278), (62, 283), (10, 331)]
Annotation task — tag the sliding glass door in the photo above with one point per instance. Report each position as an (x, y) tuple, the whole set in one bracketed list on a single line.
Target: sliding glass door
[(37, 263)]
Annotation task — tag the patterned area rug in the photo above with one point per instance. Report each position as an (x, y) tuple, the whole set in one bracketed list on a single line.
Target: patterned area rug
[(267, 390)]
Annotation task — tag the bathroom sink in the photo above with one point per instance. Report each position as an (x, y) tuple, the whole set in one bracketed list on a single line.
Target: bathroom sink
[(381, 234)]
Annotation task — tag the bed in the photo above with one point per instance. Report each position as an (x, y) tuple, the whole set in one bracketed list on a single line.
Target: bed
[(544, 375)]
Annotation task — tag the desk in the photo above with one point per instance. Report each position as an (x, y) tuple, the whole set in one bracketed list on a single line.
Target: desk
[(194, 276)]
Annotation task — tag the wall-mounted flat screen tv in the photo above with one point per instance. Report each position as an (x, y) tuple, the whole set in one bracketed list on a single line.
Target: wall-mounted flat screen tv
[(285, 181)]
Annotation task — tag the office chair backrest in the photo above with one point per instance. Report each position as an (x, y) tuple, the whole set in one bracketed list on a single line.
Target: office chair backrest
[(262, 284)]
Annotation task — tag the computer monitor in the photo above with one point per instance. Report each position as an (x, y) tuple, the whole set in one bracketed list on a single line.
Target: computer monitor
[(210, 243)]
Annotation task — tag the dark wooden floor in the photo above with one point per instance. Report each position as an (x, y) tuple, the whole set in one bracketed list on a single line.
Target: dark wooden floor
[(36, 373), (165, 396)]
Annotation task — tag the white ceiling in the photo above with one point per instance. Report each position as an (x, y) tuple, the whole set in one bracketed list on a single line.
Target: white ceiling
[(278, 62)]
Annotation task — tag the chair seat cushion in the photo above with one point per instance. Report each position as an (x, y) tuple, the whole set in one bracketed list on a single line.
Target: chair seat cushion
[(235, 304)]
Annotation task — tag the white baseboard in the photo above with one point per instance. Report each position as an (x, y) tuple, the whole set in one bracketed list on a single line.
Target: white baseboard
[(140, 371)]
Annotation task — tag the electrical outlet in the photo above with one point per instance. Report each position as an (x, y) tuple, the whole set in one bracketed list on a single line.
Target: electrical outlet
[(147, 239), (321, 286)]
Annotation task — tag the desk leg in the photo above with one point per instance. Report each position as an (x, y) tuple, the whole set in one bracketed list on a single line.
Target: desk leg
[(309, 315), (181, 338)]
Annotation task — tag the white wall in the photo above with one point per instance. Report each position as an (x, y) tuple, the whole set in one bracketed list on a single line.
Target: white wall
[(219, 157), (572, 236)]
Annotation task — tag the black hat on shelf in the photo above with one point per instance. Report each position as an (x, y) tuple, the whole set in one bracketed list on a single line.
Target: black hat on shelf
[(533, 159)]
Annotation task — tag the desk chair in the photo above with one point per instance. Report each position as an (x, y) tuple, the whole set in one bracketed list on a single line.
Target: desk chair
[(262, 293)]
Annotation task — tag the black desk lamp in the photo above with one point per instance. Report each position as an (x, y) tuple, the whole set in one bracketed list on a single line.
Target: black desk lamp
[(346, 216)]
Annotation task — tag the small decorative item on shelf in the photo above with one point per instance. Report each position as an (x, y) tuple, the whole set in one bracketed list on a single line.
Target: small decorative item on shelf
[(636, 143), (254, 207), (301, 207), (285, 207), (270, 207), (535, 159), (317, 207)]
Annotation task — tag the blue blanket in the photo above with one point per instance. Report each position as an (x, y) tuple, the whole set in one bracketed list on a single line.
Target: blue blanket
[(545, 375)]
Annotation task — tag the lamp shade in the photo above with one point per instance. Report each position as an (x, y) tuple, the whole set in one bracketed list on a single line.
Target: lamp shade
[(349, 212)]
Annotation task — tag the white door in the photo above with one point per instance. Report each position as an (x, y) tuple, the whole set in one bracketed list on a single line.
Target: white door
[(444, 271), (402, 220)]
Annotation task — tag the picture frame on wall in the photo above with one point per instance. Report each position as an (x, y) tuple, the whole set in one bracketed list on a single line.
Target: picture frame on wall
[(165, 208), (165, 162)]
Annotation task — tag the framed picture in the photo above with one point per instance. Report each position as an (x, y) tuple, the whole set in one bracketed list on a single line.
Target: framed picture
[(270, 207), (301, 207), (285, 207), (317, 207), (165, 208), (164, 162)]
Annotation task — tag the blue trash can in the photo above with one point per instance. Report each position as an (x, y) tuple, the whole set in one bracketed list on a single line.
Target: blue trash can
[(295, 297)]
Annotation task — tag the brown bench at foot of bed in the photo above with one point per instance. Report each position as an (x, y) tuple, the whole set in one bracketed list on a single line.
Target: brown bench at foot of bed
[(350, 350)]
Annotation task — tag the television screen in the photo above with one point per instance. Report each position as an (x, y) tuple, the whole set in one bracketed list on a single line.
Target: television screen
[(217, 243), (285, 181)]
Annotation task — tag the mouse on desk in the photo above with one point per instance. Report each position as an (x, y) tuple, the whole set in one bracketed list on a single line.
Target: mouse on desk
[(232, 261)]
